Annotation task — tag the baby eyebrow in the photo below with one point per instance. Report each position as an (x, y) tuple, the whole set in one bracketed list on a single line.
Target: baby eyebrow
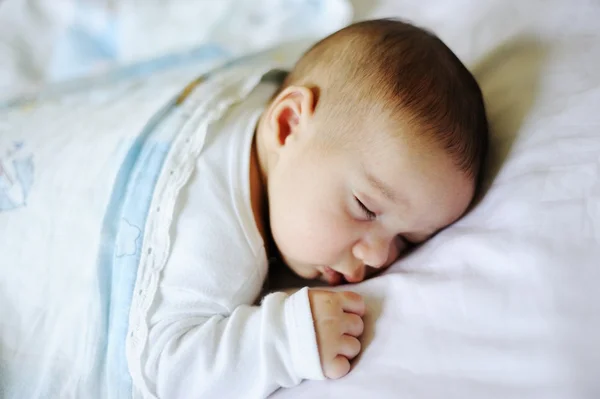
[(386, 190)]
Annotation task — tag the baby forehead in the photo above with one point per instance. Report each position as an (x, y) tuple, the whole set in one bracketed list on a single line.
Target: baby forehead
[(369, 124)]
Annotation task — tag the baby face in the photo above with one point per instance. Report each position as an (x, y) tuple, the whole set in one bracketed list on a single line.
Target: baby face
[(342, 212)]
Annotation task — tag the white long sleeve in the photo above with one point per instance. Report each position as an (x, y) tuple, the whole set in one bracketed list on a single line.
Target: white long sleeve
[(204, 339), (247, 354)]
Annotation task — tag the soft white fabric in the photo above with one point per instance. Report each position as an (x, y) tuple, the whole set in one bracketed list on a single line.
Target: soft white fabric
[(505, 304), (65, 240), (203, 331), (43, 41)]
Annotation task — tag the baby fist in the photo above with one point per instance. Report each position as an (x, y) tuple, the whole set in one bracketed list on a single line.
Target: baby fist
[(338, 322)]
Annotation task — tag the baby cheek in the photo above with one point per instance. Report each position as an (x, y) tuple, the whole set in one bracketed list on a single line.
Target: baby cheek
[(323, 239), (295, 232), (319, 237)]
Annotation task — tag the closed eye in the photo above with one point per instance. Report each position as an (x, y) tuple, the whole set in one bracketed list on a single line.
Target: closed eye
[(370, 215)]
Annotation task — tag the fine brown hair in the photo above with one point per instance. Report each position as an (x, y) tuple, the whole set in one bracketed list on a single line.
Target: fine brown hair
[(396, 68)]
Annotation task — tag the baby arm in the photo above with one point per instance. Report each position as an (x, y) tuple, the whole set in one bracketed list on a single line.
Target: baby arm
[(252, 351)]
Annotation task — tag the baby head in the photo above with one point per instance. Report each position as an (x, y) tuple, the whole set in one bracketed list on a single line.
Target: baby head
[(374, 143)]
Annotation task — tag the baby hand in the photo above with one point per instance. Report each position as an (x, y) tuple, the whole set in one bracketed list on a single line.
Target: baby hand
[(338, 323)]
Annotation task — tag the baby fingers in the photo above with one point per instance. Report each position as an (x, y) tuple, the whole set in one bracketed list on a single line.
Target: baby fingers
[(350, 346), (353, 324)]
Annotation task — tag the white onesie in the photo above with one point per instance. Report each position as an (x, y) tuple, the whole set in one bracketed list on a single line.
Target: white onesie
[(205, 339)]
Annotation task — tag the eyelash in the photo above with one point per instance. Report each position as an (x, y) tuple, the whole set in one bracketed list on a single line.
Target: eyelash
[(368, 213), (371, 216)]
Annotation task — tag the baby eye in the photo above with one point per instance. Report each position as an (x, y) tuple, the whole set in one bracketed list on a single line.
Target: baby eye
[(370, 215)]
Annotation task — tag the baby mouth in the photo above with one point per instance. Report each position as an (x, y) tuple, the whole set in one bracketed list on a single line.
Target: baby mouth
[(332, 277)]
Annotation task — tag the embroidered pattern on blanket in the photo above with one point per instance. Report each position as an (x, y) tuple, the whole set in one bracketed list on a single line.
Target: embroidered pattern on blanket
[(16, 176)]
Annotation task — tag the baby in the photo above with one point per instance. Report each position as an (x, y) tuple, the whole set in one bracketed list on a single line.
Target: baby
[(373, 143)]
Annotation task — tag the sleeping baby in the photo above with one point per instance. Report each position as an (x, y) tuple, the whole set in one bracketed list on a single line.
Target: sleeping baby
[(135, 245), (371, 144)]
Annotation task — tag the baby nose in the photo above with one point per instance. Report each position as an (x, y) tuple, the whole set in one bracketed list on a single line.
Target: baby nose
[(373, 253)]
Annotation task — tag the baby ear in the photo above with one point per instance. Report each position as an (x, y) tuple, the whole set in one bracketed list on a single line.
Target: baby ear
[(290, 111)]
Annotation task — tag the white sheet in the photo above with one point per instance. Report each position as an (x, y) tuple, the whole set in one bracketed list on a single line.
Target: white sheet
[(506, 303)]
